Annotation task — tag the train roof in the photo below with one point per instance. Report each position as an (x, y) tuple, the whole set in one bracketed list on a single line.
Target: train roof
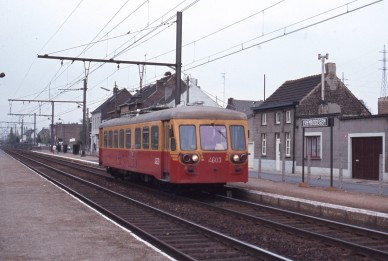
[(187, 112)]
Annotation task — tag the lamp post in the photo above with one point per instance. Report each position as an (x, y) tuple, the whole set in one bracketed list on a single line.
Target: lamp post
[(115, 90)]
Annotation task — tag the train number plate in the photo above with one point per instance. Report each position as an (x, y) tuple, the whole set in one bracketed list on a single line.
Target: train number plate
[(215, 160)]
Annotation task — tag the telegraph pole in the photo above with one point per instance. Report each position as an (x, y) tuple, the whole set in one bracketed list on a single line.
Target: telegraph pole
[(52, 114), (84, 138), (177, 65), (19, 114)]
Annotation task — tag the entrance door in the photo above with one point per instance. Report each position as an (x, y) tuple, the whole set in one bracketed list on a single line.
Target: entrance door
[(277, 151), (365, 157)]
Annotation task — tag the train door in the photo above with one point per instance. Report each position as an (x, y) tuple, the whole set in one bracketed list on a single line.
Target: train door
[(166, 156)]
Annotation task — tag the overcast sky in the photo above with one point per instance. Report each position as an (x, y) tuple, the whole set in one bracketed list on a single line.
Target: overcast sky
[(228, 46)]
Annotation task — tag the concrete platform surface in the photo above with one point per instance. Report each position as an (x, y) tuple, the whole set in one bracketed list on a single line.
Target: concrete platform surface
[(39, 221)]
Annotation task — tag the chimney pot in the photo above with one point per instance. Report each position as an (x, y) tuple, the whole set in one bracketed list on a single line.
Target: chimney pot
[(330, 68)]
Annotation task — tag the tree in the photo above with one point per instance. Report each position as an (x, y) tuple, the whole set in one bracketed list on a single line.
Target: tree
[(11, 137), (38, 139), (44, 136)]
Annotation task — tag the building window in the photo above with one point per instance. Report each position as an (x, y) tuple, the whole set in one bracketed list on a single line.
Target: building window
[(288, 144), (277, 117), (313, 145), (263, 144), (264, 119), (288, 116)]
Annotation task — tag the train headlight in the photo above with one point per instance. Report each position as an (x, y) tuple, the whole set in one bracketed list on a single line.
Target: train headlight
[(243, 157), (195, 158), (186, 158), (235, 158)]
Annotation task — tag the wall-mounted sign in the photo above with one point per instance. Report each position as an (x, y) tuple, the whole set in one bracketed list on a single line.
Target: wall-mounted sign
[(315, 122)]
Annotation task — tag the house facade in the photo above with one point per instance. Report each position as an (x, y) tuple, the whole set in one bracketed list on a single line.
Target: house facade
[(161, 95), (107, 110), (284, 143), (156, 96)]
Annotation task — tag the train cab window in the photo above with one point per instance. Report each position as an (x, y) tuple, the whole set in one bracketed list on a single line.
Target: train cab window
[(154, 137), (105, 139), (213, 137), (116, 139), (110, 139), (187, 137), (121, 139), (146, 137), (137, 138), (237, 137), (128, 138)]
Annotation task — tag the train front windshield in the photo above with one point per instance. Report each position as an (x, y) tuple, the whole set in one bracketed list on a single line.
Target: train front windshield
[(212, 137)]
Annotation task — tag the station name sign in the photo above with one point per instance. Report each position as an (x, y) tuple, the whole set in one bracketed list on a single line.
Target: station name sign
[(315, 122)]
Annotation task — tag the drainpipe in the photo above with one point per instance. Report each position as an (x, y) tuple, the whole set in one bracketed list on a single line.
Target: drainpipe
[(293, 138)]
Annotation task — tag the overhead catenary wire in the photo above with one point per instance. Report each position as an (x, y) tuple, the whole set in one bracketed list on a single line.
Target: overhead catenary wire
[(80, 77), (242, 48), (47, 42), (246, 45)]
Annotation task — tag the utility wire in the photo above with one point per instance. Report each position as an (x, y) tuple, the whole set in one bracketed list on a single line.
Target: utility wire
[(283, 29), (48, 41)]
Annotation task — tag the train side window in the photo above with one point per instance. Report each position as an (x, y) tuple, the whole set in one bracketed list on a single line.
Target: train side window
[(110, 139), (105, 139), (187, 137), (121, 138), (137, 138), (154, 137), (237, 137), (116, 139), (128, 138), (146, 137)]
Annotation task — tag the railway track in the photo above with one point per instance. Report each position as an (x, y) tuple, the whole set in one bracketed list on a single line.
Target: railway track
[(363, 241), (286, 233), (179, 238)]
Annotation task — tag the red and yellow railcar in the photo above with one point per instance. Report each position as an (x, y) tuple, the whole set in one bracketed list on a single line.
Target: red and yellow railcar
[(183, 145)]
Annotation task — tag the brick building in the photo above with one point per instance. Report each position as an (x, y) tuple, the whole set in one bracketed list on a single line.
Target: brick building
[(279, 135)]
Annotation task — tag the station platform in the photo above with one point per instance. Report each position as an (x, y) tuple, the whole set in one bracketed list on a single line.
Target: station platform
[(39, 221)]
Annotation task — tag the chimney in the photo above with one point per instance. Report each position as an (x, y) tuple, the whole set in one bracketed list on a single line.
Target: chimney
[(382, 105), (330, 69)]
